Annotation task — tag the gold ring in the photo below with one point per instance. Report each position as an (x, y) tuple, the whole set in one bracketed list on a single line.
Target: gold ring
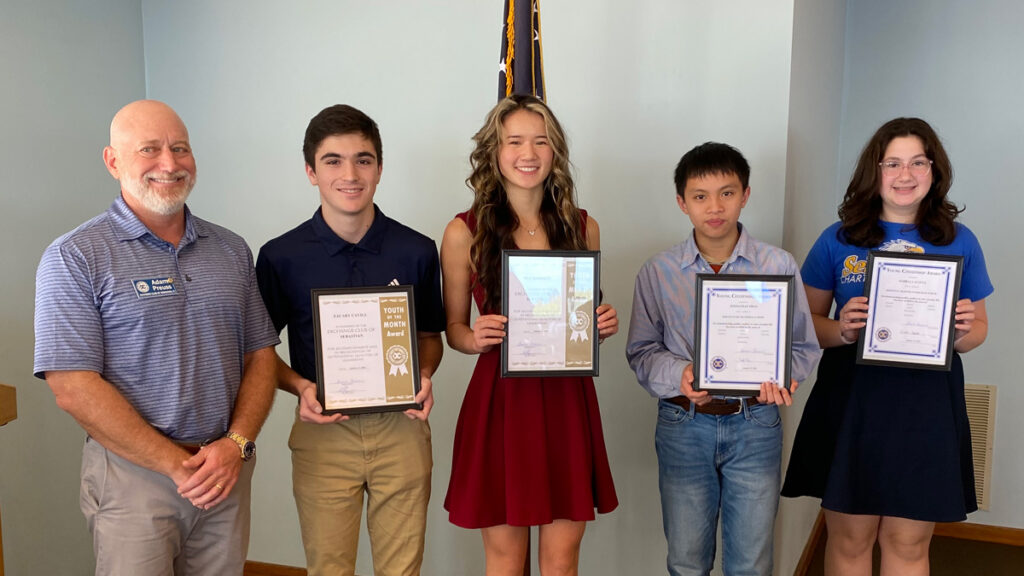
[(219, 487)]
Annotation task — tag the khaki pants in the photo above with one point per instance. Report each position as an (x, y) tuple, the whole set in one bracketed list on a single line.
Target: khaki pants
[(387, 457), (140, 525)]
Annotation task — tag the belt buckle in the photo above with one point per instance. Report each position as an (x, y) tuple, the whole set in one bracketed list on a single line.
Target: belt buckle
[(739, 407)]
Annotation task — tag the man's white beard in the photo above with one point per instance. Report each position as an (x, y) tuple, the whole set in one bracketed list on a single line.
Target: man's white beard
[(162, 203)]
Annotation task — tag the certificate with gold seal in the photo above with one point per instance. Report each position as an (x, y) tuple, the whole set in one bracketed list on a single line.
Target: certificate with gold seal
[(550, 298), (366, 354)]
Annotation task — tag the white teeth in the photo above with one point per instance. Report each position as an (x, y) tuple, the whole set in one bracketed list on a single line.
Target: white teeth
[(525, 169)]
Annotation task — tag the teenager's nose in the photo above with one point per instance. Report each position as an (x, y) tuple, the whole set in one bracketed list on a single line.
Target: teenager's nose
[(348, 171)]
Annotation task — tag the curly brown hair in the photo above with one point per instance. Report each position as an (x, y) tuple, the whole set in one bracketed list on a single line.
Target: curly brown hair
[(495, 218), (862, 205)]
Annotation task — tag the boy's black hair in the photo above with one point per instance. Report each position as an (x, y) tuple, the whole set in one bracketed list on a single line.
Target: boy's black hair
[(338, 120), (711, 158)]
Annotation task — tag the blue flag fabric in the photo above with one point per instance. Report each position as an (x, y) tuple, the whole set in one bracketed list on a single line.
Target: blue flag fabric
[(521, 70)]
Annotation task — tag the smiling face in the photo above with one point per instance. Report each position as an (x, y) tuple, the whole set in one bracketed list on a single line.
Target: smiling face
[(150, 155), (902, 193), (347, 173), (525, 154), (713, 202)]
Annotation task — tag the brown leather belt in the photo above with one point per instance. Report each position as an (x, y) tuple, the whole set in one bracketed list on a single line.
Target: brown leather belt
[(190, 448), (717, 406)]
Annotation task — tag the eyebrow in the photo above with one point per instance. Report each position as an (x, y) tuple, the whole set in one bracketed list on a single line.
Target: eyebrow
[(160, 142), (921, 155), (364, 154), (721, 189)]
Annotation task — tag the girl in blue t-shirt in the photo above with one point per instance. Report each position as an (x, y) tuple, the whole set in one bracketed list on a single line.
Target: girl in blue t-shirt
[(887, 449)]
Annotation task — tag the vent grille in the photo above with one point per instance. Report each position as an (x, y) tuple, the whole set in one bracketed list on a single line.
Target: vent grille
[(981, 412)]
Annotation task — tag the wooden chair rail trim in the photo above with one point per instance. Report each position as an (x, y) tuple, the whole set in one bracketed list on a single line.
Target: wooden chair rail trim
[(981, 533), (813, 541), (265, 569), (958, 530)]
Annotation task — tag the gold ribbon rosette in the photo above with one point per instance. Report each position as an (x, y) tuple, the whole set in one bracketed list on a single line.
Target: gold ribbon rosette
[(580, 324)]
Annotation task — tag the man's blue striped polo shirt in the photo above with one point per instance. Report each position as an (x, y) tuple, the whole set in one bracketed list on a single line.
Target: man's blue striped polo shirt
[(168, 327)]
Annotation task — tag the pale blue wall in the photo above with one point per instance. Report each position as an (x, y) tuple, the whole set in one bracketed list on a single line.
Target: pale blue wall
[(957, 65), (798, 85), (815, 103), (635, 86), (66, 67)]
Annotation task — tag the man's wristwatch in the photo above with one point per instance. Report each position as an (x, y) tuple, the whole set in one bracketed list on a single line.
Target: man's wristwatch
[(248, 447)]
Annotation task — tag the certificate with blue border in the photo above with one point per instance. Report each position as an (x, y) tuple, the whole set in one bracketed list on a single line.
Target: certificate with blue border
[(742, 333), (911, 310), (550, 299)]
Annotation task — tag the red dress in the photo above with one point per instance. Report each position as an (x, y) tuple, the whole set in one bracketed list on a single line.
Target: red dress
[(527, 450)]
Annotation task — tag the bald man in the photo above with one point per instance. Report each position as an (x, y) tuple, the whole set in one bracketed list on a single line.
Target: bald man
[(151, 332)]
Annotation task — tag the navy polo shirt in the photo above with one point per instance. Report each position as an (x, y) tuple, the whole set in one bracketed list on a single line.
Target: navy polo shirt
[(311, 256)]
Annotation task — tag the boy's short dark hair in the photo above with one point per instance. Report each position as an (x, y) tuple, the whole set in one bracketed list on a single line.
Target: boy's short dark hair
[(338, 120), (711, 158)]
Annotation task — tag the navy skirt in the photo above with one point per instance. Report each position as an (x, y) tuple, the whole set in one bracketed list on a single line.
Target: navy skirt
[(885, 441)]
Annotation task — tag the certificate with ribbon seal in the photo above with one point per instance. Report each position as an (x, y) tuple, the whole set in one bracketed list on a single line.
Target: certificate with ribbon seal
[(550, 298), (743, 333), (366, 354), (911, 310)]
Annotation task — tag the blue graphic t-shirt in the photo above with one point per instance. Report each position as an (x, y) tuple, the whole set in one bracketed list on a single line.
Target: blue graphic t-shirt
[(834, 265)]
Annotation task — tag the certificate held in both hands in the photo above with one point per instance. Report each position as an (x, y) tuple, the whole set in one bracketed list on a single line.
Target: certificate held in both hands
[(911, 310), (743, 333), (549, 298), (366, 349)]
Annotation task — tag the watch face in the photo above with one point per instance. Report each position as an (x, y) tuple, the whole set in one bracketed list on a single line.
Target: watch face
[(249, 450)]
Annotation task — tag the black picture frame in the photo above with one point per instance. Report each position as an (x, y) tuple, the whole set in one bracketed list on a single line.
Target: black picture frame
[(706, 363), (389, 345), (579, 328), (868, 342)]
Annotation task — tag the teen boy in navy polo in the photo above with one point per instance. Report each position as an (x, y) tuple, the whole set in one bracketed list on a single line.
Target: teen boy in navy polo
[(349, 242), (713, 453), (151, 333)]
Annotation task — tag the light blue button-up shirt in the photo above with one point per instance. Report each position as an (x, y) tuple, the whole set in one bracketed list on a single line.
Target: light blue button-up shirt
[(661, 327)]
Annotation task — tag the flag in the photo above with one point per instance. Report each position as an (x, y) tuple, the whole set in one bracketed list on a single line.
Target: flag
[(521, 70)]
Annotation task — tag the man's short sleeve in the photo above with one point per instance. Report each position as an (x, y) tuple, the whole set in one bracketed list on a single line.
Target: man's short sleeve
[(68, 328), (259, 330)]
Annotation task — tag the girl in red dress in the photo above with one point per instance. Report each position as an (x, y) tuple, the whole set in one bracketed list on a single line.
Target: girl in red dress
[(528, 451)]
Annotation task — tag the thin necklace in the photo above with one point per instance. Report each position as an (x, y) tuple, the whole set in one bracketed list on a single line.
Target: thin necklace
[(712, 262)]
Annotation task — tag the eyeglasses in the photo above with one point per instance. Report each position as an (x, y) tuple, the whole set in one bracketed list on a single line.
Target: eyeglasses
[(918, 167)]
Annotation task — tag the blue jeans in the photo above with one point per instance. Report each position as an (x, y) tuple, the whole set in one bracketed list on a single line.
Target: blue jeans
[(709, 462)]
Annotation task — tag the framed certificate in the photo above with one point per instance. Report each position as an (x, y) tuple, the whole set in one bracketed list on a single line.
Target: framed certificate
[(366, 349), (911, 310), (743, 333), (550, 298)]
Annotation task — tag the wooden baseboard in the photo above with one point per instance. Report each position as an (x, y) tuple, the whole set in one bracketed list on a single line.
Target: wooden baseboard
[(958, 530), (264, 569), (981, 533), (813, 542)]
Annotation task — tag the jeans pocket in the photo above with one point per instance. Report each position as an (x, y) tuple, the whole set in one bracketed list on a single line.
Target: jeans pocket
[(766, 415), (671, 414)]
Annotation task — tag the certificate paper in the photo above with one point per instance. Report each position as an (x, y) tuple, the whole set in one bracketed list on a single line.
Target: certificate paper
[(366, 354), (743, 333), (911, 310), (549, 299)]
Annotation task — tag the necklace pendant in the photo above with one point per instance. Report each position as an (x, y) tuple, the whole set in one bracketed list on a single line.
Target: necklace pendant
[(532, 232)]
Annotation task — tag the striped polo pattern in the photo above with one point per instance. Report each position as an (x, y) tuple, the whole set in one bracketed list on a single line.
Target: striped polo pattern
[(167, 326)]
